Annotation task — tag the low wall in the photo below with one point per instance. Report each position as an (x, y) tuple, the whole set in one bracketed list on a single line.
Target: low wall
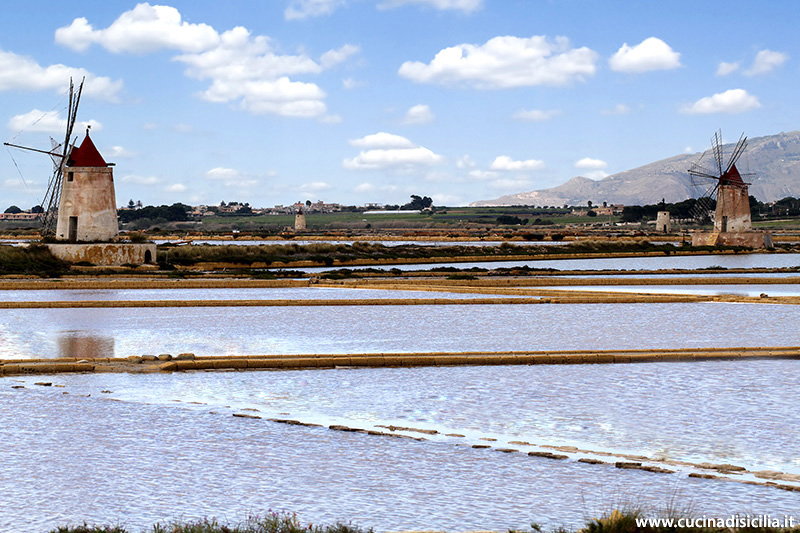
[(106, 254), (188, 362), (751, 239)]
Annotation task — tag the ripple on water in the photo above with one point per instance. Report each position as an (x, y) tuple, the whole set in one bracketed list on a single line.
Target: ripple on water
[(140, 460)]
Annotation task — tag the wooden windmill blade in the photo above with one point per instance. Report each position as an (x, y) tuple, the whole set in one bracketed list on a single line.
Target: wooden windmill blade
[(52, 195), (738, 150)]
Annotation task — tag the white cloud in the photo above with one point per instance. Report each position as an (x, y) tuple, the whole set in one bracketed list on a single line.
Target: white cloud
[(303, 9), (619, 109), (465, 162), (331, 58), (315, 186), (351, 83), (382, 140), (727, 68), (182, 128), (386, 150), (47, 122), (505, 62), (506, 184), (243, 70), (731, 101), (504, 162), (418, 114), (765, 62), (331, 119), (364, 187), (141, 180), (143, 29), (177, 187), (482, 175), (536, 115), (18, 184), (650, 54), (23, 73), (231, 178), (466, 6), (121, 153), (392, 157), (441, 199), (588, 162)]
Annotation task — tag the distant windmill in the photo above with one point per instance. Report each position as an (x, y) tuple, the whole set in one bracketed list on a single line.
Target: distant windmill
[(712, 176), (722, 182)]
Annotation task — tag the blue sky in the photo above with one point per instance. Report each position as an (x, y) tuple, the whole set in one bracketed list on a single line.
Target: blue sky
[(355, 101)]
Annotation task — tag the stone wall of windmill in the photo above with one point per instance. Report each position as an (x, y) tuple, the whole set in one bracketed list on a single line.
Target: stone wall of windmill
[(87, 228)]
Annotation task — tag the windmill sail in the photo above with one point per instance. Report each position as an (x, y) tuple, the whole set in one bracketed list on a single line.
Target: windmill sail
[(52, 195)]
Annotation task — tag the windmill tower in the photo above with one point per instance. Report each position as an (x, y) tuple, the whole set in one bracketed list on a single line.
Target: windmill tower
[(80, 203), (300, 220), (724, 183), (87, 211)]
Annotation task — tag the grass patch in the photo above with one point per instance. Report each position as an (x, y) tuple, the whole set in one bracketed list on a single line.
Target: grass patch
[(274, 522), (34, 259)]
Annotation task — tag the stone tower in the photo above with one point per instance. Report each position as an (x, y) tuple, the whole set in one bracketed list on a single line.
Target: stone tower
[(87, 211), (300, 220), (663, 224)]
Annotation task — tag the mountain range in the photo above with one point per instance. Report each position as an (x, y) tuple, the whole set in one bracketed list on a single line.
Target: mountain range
[(774, 161)]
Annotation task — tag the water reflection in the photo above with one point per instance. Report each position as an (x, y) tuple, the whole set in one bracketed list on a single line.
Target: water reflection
[(210, 331), (83, 345)]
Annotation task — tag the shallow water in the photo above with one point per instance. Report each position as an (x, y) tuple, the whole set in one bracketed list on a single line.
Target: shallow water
[(289, 293), (690, 262), (210, 331), (147, 458), (708, 290)]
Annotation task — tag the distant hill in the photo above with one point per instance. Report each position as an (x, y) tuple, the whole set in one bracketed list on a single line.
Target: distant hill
[(775, 160)]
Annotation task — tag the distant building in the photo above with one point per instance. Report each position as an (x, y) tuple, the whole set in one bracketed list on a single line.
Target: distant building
[(19, 216)]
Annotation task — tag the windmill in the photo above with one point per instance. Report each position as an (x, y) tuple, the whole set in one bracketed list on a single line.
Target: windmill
[(723, 183), (711, 175), (59, 153)]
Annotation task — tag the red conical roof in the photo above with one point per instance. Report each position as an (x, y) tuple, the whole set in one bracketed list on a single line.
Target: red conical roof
[(86, 155), (732, 177)]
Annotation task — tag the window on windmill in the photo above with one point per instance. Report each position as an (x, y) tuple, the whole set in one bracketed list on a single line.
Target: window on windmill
[(70, 176)]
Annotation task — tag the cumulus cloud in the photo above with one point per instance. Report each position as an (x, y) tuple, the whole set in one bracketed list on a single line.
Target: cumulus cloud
[(418, 114), (386, 150), (536, 115), (47, 122), (505, 62), (504, 162), (143, 29), (765, 62), (588, 162), (303, 9), (23, 73), (466, 6), (650, 54), (727, 68), (243, 70), (176, 187), (731, 101), (382, 140)]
